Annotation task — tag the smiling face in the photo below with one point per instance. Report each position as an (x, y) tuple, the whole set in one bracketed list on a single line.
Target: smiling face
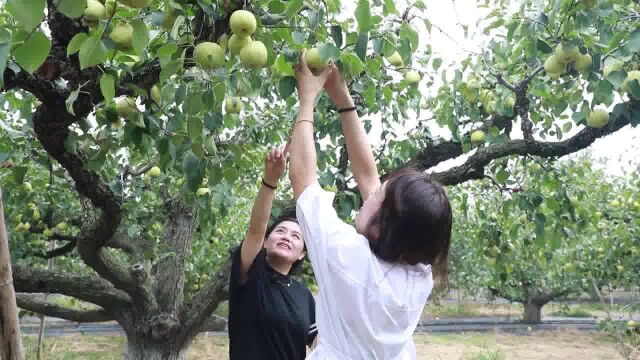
[(284, 244)]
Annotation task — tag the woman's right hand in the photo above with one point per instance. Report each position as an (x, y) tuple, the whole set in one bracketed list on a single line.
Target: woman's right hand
[(337, 89), (275, 163)]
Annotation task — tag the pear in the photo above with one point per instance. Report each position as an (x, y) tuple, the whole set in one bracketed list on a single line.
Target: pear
[(254, 55), (242, 23)]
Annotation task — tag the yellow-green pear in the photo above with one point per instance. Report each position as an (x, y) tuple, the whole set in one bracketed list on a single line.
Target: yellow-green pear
[(631, 75), (27, 186), (254, 55), (553, 65), (95, 10), (110, 7), (396, 60), (126, 107), (62, 226), (122, 36), (615, 65), (155, 94), (314, 62), (208, 55), (598, 119), (412, 77), (567, 53), (154, 172), (47, 232), (242, 23), (233, 105), (202, 191), (237, 42), (477, 137), (583, 63)]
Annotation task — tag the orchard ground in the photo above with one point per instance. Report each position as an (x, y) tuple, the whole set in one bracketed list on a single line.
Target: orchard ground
[(471, 346)]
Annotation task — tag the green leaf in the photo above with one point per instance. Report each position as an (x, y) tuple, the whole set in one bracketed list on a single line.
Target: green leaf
[(108, 86), (92, 52), (408, 32), (286, 86), (634, 86), (140, 35), (544, 47), (603, 93), (170, 69), (33, 52), (617, 78), (361, 46), (18, 173), (72, 8), (502, 176), (336, 34), (277, 7), (633, 44), (76, 43), (352, 64), (5, 48), (363, 16), (370, 95), (328, 52), (437, 62), (213, 121), (28, 13), (294, 8), (389, 7), (193, 170), (72, 99), (195, 125)]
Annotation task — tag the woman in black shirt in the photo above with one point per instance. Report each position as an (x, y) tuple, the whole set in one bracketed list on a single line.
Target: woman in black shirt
[(271, 315)]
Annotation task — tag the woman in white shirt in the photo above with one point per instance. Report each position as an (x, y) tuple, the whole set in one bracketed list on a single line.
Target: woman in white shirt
[(374, 278)]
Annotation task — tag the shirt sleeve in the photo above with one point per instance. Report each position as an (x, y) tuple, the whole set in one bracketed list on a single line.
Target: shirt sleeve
[(254, 269), (313, 329), (332, 244)]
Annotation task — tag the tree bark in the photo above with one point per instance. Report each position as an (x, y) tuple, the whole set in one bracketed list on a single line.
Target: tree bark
[(10, 341), (139, 349), (532, 313)]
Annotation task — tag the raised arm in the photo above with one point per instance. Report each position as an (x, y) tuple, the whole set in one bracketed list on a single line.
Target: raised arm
[(361, 157), (303, 166), (274, 166)]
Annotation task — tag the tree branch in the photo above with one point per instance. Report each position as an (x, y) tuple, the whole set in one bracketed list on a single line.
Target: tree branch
[(87, 288), (59, 251), (206, 300), (473, 168), (30, 303), (504, 295)]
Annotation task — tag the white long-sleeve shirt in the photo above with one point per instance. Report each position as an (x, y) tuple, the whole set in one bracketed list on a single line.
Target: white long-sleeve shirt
[(367, 308)]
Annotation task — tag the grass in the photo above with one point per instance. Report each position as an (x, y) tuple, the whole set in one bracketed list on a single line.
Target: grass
[(469, 346), (576, 311)]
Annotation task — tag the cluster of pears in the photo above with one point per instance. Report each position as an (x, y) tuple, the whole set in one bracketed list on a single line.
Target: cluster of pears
[(253, 54), (122, 33), (411, 77), (564, 55)]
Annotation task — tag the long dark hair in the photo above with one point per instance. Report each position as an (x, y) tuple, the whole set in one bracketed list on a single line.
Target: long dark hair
[(414, 222), (287, 214)]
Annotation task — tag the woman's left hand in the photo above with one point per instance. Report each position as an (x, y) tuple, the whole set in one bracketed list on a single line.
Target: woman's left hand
[(309, 85), (274, 165)]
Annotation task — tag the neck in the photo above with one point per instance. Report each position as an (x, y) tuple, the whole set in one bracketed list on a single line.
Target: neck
[(278, 265)]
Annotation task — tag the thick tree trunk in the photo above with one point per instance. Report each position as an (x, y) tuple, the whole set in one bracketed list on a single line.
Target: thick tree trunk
[(138, 349), (532, 313), (10, 341)]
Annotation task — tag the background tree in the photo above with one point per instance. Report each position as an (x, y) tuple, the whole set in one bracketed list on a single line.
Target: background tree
[(130, 143), (548, 233)]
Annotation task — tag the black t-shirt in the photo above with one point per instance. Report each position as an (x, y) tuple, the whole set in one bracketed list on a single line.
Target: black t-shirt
[(271, 316)]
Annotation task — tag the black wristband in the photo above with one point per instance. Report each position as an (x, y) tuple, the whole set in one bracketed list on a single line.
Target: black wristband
[(268, 185), (353, 108)]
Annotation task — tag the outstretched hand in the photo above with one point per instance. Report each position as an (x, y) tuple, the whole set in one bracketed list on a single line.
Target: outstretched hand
[(309, 85), (275, 163), (337, 88)]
